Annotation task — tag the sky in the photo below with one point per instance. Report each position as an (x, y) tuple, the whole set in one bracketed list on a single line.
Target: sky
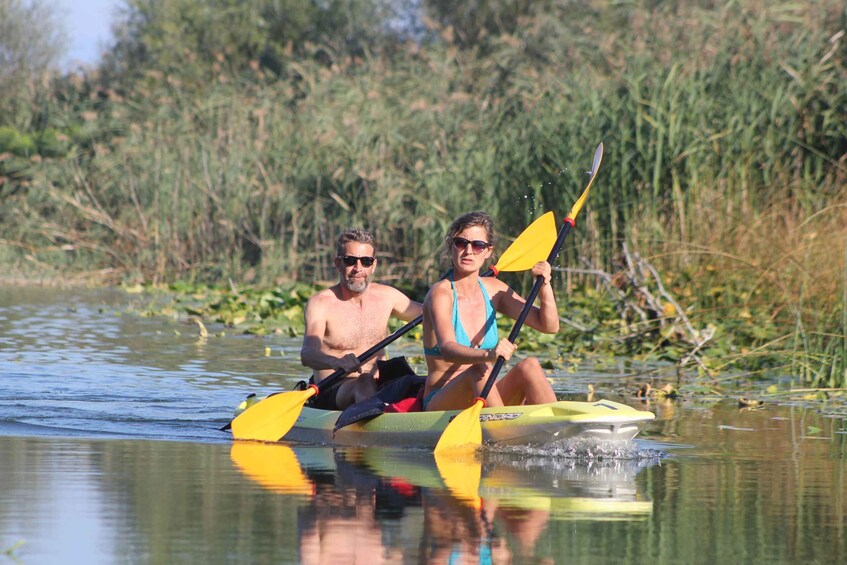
[(88, 26)]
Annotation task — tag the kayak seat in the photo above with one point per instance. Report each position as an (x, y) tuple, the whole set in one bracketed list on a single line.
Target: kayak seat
[(402, 393)]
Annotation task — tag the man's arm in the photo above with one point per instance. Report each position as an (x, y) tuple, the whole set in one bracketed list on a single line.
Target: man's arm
[(312, 354), (405, 308)]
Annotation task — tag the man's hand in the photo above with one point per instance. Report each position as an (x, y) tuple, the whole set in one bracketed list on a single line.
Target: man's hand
[(350, 364)]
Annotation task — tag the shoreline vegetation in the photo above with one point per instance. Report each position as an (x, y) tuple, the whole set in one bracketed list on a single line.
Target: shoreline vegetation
[(221, 166)]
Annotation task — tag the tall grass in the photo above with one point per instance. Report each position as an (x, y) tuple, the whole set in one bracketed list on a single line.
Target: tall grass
[(725, 127)]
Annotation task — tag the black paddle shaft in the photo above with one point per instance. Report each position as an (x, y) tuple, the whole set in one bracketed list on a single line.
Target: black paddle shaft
[(383, 344), (533, 294)]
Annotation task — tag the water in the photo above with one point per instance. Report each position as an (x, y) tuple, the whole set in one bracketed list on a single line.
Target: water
[(110, 452)]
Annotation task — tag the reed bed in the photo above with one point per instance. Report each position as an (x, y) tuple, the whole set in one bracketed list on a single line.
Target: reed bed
[(725, 128)]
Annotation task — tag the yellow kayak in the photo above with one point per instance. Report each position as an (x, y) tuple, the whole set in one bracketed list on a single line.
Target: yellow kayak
[(509, 425)]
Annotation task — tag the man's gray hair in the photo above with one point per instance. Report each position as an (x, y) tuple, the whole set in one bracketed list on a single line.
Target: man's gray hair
[(358, 235)]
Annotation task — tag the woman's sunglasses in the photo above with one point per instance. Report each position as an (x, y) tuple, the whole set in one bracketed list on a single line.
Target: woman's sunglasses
[(477, 245), (350, 260)]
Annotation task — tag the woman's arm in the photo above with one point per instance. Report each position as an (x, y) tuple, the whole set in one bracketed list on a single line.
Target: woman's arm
[(545, 316)]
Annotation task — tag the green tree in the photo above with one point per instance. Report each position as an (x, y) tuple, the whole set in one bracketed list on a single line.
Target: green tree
[(31, 43), (472, 22), (197, 39)]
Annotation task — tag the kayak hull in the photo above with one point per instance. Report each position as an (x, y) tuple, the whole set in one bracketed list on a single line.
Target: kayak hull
[(508, 425)]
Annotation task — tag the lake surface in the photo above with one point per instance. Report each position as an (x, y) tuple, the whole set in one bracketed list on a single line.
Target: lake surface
[(110, 452)]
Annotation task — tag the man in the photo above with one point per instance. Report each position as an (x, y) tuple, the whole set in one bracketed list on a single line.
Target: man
[(348, 318)]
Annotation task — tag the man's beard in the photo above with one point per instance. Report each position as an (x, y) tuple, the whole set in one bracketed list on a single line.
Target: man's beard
[(356, 285)]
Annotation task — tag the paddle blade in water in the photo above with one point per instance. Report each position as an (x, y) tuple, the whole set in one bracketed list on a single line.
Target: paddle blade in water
[(461, 472), (271, 418), (531, 246), (464, 432), (275, 467)]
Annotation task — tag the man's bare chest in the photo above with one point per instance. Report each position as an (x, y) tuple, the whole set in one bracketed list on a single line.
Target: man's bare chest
[(355, 328)]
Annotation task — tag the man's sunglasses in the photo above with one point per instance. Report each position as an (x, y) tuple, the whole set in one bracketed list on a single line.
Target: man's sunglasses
[(350, 260), (477, 245)]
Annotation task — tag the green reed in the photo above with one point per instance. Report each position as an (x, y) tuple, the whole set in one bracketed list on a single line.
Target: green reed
[(724, 130)]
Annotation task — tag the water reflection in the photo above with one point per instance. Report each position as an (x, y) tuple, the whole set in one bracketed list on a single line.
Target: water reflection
[(753, 486), (370, 502), (274, 466)]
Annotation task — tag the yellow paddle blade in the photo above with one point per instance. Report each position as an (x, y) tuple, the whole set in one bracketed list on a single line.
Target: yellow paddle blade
[(464, 432), (598, 157), (275, 467), (271, 418), (461, 472), (531, 246)]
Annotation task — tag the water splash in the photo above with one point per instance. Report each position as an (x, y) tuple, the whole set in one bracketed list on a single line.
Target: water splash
[(585, 450)]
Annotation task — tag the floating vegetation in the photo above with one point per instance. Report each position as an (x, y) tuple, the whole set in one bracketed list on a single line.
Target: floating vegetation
[(10, 551), (627, 324), (726, 175)]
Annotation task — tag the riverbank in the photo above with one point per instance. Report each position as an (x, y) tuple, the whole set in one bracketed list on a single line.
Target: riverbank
[(714, 237), (687, 362)]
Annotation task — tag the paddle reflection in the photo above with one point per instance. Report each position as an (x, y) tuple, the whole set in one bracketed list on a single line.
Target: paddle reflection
[(274, 466), (379, 505)]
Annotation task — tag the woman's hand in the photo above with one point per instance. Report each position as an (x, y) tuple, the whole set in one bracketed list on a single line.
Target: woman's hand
[(547, 319), (504, 349), (543, 269)]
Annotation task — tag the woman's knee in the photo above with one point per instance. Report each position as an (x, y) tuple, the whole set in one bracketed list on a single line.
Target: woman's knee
[(530, 366)]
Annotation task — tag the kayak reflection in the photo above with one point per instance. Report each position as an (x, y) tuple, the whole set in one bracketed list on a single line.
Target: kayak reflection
[(572, 488), (376, 504)]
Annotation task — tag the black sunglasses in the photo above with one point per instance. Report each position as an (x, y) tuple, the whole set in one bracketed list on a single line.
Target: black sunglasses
[(477, 245), (350, 260)]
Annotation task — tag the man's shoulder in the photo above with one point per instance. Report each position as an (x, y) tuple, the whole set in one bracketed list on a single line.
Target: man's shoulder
[(323, 296), (384, 291), (382, 288)]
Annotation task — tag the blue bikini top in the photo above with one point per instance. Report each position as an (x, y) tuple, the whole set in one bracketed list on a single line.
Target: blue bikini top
[(491, 338)]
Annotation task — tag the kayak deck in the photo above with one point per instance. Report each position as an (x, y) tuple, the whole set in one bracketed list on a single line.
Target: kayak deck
[(507, 425)]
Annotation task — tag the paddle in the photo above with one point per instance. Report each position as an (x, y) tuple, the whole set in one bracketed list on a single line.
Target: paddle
[(273, 417), (465, 430)]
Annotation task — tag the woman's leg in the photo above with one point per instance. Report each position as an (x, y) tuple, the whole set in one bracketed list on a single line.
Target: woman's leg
[(526, 383), (461, 391)]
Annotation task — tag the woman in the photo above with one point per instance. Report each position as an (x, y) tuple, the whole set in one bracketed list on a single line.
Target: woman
[(460, 336)]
